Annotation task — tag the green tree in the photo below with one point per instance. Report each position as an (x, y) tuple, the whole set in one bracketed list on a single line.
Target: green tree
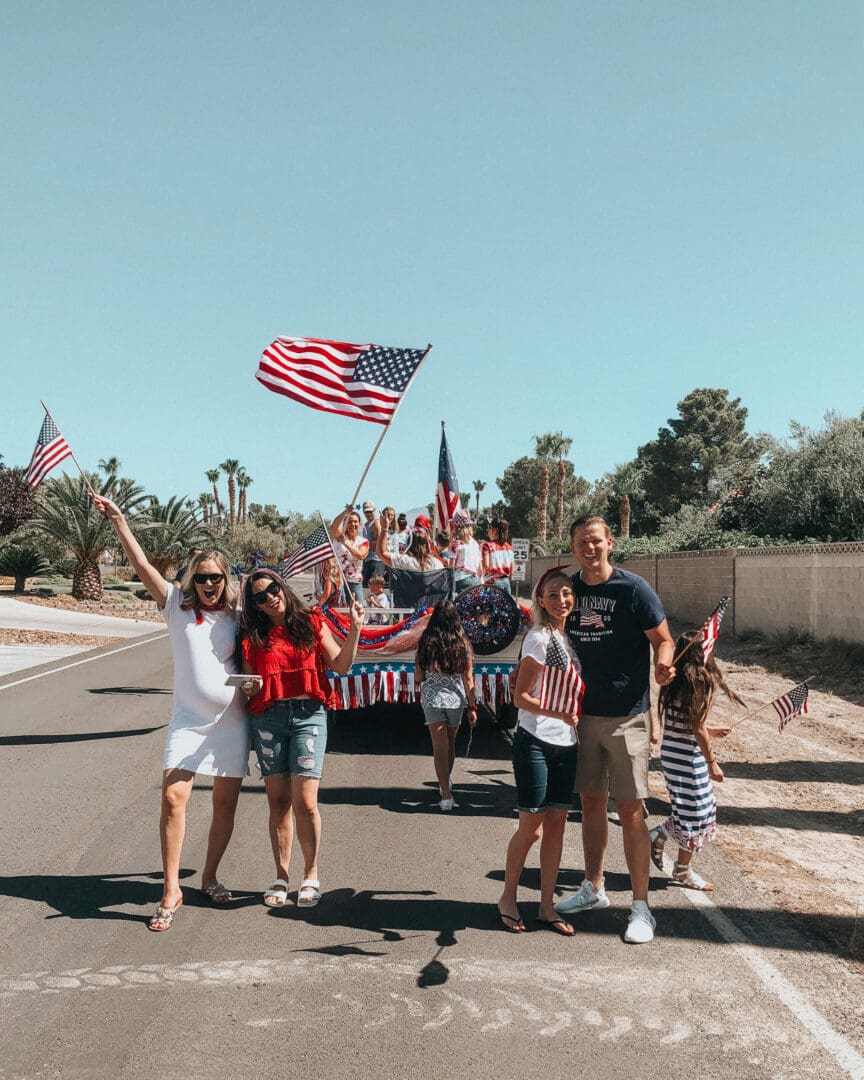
[(810, 488), (519, 486), (22, 563), (478, 486), (701, 454), (65, 513), (17, 500)]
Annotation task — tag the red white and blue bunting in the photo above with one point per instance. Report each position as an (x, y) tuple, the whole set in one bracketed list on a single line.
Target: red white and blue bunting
[(368, 683)]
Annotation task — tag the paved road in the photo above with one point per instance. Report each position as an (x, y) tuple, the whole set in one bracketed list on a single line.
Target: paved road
[(400, 972)]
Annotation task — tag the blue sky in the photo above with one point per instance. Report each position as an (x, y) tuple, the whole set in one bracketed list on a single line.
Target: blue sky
[(588, 209)]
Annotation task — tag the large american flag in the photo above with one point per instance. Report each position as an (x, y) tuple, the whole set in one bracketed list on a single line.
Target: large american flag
[(447, 493), (50, 450), (316, 548), (364, 381), (711, 628), (561, 685), (791, 704)]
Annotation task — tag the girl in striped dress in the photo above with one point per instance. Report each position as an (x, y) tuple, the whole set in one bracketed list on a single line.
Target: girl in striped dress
[(688, 760)]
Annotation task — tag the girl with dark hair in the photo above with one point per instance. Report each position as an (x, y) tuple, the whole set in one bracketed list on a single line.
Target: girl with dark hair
[(288, 649), (444, 674), (544, 757), (687, 758), (498, 556), (208, 733)]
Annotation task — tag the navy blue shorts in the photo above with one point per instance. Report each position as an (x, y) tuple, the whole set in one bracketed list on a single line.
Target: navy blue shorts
[(545, 773)]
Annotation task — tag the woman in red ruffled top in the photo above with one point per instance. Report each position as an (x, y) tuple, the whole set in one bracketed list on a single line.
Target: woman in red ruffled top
[(286, 652)]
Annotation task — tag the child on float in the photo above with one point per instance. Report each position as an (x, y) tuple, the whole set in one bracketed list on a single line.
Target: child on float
[(687, 758), (378, 601), (444, 676), (544, 760)]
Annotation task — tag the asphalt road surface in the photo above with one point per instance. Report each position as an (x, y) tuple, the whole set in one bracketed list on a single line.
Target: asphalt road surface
[(401, 971)]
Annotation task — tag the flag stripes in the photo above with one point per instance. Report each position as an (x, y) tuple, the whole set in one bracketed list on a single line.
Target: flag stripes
[(362, 381), (51, 449)]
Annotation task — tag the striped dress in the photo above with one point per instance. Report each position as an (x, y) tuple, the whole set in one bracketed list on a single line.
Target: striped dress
[(694, 812)]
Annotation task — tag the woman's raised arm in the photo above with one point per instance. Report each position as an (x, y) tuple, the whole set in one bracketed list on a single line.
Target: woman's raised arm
[(152, 580)]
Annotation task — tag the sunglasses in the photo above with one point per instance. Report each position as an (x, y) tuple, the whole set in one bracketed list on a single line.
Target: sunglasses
[(204, 579), (273, 589)]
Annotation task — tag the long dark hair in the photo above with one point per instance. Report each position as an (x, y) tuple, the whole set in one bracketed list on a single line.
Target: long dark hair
[(443, 645), (255, 625), (696, 680), (421, 549)]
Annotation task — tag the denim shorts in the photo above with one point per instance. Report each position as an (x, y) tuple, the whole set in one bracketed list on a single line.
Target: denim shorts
[(290, 738), (545, 773), (452, 717)]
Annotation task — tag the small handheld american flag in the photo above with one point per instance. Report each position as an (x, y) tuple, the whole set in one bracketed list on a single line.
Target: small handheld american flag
[(790, 704), (561, 685), (316, 548), (711, 629), (50, 450)]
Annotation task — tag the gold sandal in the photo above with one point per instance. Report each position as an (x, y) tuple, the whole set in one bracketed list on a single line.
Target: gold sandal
[(164, 918)]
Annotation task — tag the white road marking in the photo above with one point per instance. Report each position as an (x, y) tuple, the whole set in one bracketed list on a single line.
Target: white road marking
[(77, 663), (652, 1007), (777, 984)]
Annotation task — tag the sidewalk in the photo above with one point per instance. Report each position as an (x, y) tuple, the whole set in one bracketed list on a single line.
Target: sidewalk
[(19, 615)]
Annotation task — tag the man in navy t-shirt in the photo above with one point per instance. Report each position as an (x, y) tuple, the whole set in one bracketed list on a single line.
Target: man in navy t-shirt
[(616, 621)]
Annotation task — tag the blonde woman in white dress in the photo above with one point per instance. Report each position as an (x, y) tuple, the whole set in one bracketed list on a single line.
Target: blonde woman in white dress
[(209, 730)]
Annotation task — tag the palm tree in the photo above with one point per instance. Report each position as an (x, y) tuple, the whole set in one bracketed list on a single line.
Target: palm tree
[(65, 512), (243, 482), (562, 448), (213, 476), (167, 532), (544, 451), (205, 501), (110, 466), (230, 466), (626, 480), (478, 487)]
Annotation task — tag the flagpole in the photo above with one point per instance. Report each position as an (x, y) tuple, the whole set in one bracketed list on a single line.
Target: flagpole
[(749, 715), (84, 476), (389, 422)]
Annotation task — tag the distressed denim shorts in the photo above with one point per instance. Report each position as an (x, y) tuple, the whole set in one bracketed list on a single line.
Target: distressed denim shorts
[(290, 738)]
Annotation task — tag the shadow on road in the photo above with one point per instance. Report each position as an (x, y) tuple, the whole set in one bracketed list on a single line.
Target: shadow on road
[(133, 690), (397, 916), (89, 895), (75, 736), (815, 772)]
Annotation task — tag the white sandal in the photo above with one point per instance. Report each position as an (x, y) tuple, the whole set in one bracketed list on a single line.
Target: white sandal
[(685, 876), (310, 893), (277, 894)]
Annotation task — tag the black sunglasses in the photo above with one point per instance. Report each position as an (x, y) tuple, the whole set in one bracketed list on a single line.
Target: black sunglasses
[(203, 579), (273, 589)]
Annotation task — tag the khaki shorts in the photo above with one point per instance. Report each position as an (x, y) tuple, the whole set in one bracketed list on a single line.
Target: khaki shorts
[(613, 755)]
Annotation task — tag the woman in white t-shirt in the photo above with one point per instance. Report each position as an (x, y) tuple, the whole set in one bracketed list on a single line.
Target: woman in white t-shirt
[(351, 549), (548, 694), (209, 729), (419, 555)]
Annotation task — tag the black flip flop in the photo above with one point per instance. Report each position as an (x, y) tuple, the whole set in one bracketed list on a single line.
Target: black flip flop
[(555, 926), (512, 924)]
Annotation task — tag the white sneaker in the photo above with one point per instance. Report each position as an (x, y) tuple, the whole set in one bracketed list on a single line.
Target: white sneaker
[(447, 804), (640, 925), (585, 898)]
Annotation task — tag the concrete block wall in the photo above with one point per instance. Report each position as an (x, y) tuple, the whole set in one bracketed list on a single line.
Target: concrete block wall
[(690, 584), (818, 588)]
